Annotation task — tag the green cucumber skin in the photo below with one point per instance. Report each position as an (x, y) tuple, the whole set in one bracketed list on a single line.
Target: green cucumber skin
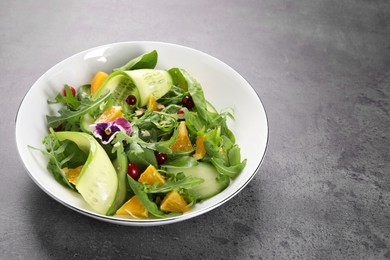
[(150, 82), (120, 198), (120, 85), (98, 180), (85, 121), (141, 83), (211, 185)]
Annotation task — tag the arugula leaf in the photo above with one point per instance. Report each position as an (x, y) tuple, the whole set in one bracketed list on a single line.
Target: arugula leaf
[(162, 146), (178, 182), (174, 96), (54, 151), (142, 157), (69, 117), (71, 101), (231, 171)]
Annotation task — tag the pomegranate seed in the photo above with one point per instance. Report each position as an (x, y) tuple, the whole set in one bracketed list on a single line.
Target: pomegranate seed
[(131, 100), (58, 128), (133, 171), (71, 89), (161, 157), (187, 102), (180, 114)]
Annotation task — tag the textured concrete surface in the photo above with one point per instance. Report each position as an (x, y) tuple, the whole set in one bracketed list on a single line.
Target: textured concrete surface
[(322, 69)]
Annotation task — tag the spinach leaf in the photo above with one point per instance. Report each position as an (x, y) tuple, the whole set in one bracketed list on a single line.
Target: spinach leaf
[(178, 78), (180, 162), (144, 61), (76, 156)]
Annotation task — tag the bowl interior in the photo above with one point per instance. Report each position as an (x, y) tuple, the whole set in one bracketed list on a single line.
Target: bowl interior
[(222, 86)]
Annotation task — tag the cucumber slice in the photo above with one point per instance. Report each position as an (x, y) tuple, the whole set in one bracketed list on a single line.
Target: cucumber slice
[(98, 180), (120, 165), (141, 83), (150, 83), (120, 85), (213, 183), (85, 121)]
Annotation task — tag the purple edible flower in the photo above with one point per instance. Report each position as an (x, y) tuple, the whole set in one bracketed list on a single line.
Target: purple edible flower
[(106, 131)]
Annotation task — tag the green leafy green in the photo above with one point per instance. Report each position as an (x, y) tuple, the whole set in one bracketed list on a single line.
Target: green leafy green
[(178, 78), (76, 155), (181, 161), (151, 206), (177, 182), (70, 118), (144, 61), (71, 101), (142, 157), (232, 171), (55, 152)]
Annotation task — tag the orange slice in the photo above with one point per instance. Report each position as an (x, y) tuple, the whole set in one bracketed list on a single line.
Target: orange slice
[(152, 104), (97, 81), (134, 208), (200, 151), (174, 202), (110, 114), (73, 174), (151, 176), (182, 142)]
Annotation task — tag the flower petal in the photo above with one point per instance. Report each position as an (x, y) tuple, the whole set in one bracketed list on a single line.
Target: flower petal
[(106, 131)]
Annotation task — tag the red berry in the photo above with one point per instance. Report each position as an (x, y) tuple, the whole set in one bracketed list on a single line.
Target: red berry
[(133, 171), (180, 114), (131, 100), (71, 89), (187, 102), (161, 157), (58, 128)]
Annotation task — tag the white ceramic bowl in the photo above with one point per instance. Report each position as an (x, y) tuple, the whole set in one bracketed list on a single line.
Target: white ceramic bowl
[(223, 87)]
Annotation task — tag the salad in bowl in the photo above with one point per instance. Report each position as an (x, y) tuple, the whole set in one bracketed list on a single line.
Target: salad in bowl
[(138, 142)]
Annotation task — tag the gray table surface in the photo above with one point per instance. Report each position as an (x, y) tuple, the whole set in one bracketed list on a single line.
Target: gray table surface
[(322, 70)]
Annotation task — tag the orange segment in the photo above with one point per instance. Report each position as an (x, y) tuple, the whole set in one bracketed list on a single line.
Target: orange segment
[(174, 202), (73, 174), (152, 104), (97, 81), (200, 151), (110, 114), (182, 142), (134, 208), (151, 176)]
